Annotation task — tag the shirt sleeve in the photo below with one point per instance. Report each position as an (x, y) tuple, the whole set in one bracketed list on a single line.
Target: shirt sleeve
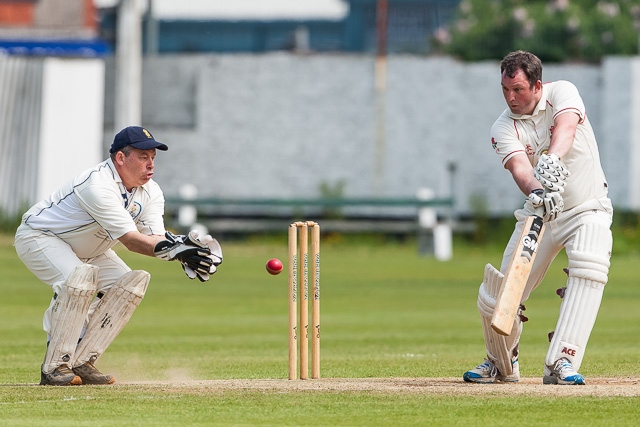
[(504, 139), (105, 205), (565, 98)]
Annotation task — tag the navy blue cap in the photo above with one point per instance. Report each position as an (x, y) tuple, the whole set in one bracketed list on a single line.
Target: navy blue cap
[(137, 137)]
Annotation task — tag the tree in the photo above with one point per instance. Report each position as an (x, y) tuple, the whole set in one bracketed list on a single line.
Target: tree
[(556, 30)]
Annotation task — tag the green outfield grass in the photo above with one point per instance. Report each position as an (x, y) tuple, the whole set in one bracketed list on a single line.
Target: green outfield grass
[(386, 313)]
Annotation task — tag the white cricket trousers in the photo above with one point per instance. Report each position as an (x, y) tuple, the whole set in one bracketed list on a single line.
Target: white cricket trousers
[(558, 235), (52, 260)]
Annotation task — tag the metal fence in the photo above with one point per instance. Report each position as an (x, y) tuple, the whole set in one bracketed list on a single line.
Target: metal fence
[(20, 110)]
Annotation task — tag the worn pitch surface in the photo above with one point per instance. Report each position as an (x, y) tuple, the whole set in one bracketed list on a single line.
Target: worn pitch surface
[(625, 386)]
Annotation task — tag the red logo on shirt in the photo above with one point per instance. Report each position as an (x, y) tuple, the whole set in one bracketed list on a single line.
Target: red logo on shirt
[(494, 144), (530, 151)]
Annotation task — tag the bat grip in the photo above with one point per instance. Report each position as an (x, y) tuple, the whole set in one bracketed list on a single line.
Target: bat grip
[(539, 211)]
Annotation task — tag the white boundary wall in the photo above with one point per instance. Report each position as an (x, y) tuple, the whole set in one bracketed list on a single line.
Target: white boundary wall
[(252, 119), (634, 137), (619, 136)]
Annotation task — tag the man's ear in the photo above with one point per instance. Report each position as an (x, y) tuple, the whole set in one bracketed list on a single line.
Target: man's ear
[(538, 86), (120, 158)]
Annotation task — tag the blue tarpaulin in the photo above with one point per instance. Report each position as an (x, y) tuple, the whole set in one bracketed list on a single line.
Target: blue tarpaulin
[(67, 48)]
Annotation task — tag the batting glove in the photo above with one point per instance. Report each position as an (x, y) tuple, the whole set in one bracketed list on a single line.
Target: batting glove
[(552, 202), (551, 173)]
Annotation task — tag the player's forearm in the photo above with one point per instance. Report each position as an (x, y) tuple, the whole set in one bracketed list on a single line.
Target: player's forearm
[(140, 243), (564, 132), (527, 183), (522, 173)]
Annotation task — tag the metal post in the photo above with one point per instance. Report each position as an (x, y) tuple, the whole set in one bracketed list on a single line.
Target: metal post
[(129, 64)]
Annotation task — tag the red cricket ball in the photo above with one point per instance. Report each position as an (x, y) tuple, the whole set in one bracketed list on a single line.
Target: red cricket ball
[(274, 266)]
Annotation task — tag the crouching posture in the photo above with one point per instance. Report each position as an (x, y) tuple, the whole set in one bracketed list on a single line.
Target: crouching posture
[(546, 142), (66, 241)]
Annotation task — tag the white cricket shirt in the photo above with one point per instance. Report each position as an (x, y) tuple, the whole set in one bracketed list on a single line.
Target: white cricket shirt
[(514, 134), (94, 209)]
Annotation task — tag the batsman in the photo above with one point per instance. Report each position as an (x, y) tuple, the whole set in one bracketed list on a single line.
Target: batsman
[(546, 142), (66, 241)]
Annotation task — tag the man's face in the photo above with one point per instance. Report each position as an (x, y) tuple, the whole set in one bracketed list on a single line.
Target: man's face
[(136, 169), (520, 97)]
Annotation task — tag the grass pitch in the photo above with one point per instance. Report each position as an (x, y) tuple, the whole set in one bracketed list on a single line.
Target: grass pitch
[(398, 331)]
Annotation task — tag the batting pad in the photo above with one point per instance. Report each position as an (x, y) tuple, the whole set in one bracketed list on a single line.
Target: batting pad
[(588, 275), (68, 315), (111, 315), (499, 347)]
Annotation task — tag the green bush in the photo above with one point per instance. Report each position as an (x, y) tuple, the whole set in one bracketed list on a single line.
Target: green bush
[(9, 223), (626, 232), (556, 31)]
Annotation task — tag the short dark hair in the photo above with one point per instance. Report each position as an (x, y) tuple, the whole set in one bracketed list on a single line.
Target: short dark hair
[(126, 150), (530, 65)]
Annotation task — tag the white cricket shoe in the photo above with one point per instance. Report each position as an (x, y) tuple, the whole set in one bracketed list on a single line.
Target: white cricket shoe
[(562, 373), (487, 372)]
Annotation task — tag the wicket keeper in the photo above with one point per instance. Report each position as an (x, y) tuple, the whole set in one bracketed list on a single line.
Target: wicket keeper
[(66, 240)]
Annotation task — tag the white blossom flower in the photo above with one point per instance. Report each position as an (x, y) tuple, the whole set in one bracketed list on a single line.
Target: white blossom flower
[(520, 14), (442, 35), (573, 23), (465, 7), (558, 5), (609, 9), (528, 28)]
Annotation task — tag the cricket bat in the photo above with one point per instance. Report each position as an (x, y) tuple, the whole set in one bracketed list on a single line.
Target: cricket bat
[(516, 276)]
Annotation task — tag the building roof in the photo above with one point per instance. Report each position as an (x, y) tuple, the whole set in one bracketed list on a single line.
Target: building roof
[(234, 10)]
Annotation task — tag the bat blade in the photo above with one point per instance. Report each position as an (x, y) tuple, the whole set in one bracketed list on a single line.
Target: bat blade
[(516, 276)]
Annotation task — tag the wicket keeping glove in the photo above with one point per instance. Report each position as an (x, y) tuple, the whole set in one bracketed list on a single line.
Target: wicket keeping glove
[(194, 256), (216, 256)]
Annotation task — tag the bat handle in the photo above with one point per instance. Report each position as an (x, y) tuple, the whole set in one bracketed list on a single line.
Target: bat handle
[(539, 211)]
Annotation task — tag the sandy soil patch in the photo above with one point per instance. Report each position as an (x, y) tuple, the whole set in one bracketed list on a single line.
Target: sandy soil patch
[(627, 386)]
